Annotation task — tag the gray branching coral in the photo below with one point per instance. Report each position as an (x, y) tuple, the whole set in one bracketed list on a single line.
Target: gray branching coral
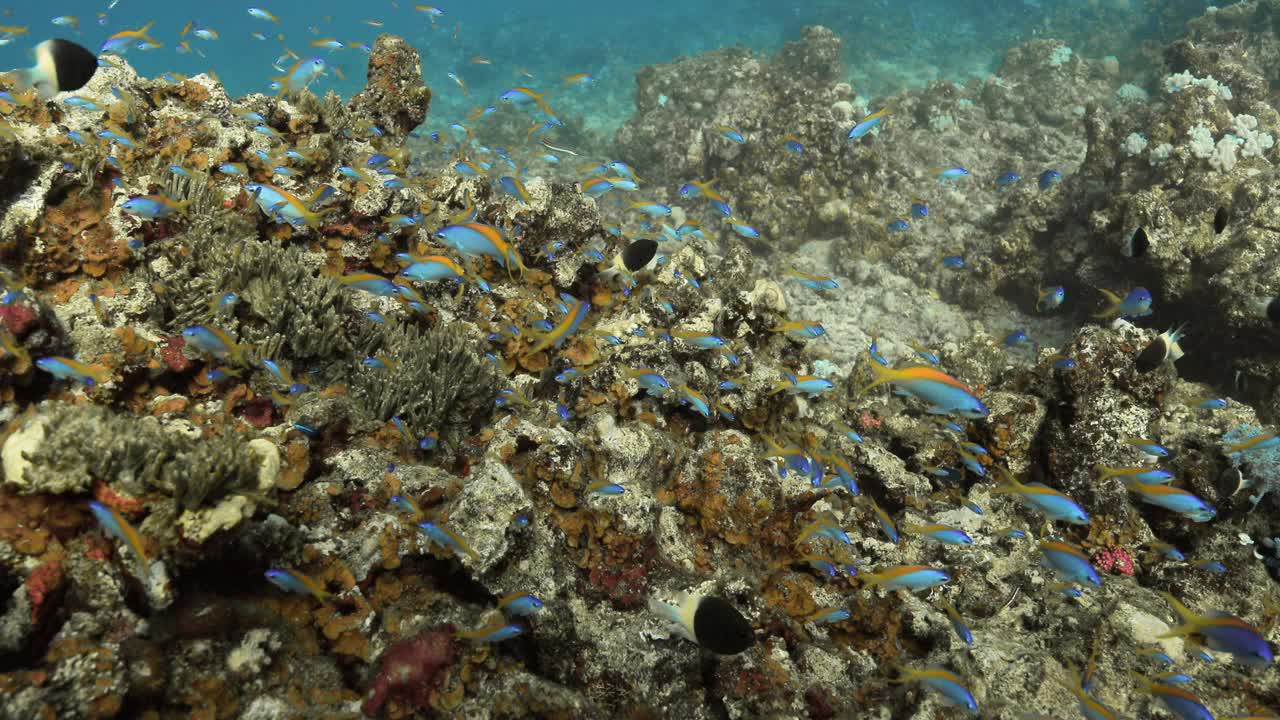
[(440, 379), (286, 307), (64, 448)]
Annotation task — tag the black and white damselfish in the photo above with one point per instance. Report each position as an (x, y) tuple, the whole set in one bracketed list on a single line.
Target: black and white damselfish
[(61, 66), (709, 621)]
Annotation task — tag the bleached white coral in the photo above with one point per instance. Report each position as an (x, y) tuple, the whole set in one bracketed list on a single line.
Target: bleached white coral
[(1201, 144), (1160, 153), (1184, 80), (1252, 142), (1129, 92), (1059, 56), (1134, 144), (1223, 158)]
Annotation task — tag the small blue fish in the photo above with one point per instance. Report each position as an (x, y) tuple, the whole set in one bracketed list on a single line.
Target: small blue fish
[(68, 369), (1007, 179), (827, 616), (957, 623), (730, 134), (952, 173), (520, 604), (296, 582), (605, 488), (1212, 404), (447, 538), (215, 342), (154, 207), (953, 262), (563, 411), (1134, 305), (1210, 565), (1049, 178), (940, 533), (1050, 297), (919, 209), (1168, 551), (568, 376), (898, 226), (1017, 338), (944, 682), (1069, 562), (492, 633), (867, 124)]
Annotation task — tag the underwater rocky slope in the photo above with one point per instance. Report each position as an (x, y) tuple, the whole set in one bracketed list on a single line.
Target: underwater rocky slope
[(399, 442)]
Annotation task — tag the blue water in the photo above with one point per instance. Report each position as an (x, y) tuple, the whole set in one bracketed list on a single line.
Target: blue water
[(889, 44)]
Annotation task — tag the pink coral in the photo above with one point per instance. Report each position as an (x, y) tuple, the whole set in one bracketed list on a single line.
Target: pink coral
[(171, 353), (43, 582), (16, 318), (1114, 560), (410, 669), (867, 421)]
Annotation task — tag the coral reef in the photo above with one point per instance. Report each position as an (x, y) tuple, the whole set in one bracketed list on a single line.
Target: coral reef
[(252, 468)]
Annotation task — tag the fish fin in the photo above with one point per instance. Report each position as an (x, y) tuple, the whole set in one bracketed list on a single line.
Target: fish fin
[(882, 374), (1191, 621), (1114, 302)]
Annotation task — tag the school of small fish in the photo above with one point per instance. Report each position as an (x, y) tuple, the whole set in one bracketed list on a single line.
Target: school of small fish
[(470, 253)]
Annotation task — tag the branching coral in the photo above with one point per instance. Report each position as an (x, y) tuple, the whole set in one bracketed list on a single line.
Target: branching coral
[(440, 378), (66, 447), (285, 306)]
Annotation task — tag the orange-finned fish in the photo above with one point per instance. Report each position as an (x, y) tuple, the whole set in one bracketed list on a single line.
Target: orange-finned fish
[(294, 581), (69, 369), (1223, 632), (523, 96), (945, 394), (908, 577), (125, 39), (1055, 505), (117, 527), (1089, 707), (577, 312), (944, 682)]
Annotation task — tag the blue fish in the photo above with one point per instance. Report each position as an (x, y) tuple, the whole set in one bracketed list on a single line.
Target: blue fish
[(1134, 305), (957, 623), (952, 173), (1050, 298), (492, 633), (296, 582), (1223, 632), (898, 226), (908, 577), (1049, 178), (919, 209), (1007, 179), (520, 604), (826, 616), (1069, 562), (867, 124), (940, 533), (944, 682), (447, 538)]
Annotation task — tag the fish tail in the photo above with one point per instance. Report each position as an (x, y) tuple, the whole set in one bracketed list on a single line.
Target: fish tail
[(1105, 471), (1012, 485), (904, 674), (882, 374), (1191, 622), (1113, 304)]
